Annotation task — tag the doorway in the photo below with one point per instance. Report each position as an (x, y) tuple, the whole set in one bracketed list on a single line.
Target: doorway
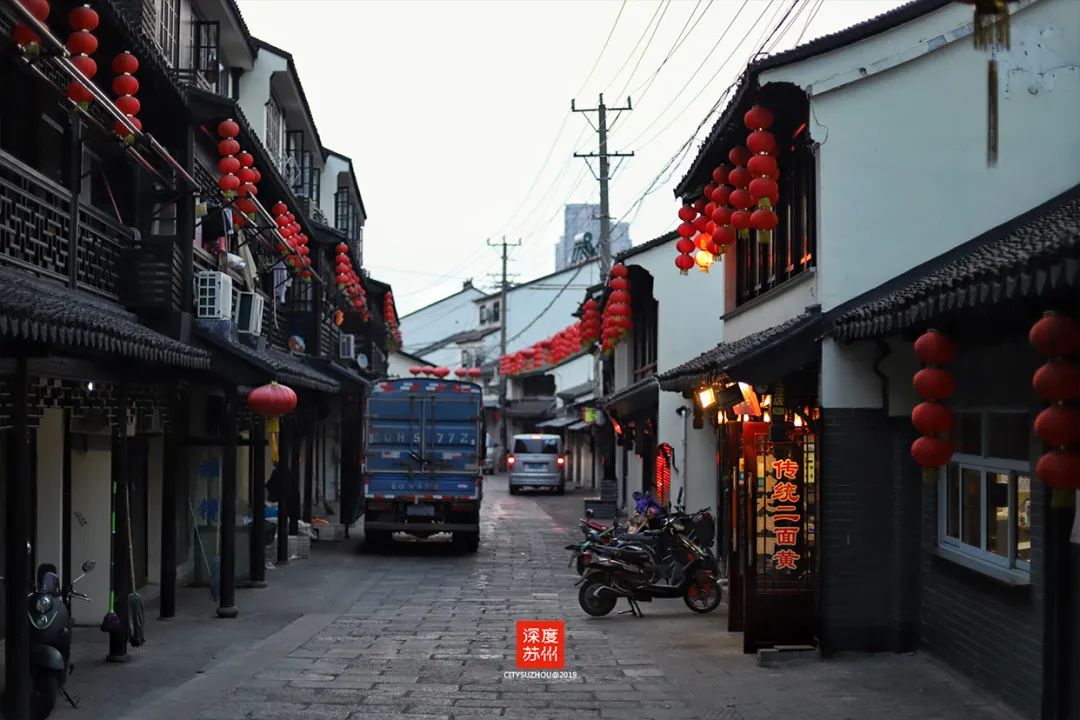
[(138, 466)]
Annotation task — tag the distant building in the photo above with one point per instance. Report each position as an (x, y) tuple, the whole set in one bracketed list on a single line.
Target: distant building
[(581, 236)]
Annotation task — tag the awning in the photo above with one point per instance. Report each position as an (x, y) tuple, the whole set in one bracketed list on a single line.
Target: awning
[(530, 408), (278, 365), (577, 392), (633, 399), (557, 423), (579, 425), (37, 310), (759, 358), (1036, 255)]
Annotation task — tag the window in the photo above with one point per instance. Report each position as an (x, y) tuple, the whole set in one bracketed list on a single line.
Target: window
[(495, 311), (537, 445), (341, 210), (169, 29), (644, 338), (763, 266), (984, 501), (275, 131), (205, 59)]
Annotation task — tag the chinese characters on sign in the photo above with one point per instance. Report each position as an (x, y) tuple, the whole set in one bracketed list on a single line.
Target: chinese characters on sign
[(786, 517), (540, 644)]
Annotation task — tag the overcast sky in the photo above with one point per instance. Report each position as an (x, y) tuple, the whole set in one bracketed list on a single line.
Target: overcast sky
[(457, 114)]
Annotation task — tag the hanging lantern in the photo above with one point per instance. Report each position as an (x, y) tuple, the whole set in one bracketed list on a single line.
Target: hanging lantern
[(1057, 337), (763, 185), (991, 33), (124, 86), (933, 418), (272, 401), (81, 44), (416, 369), (740, 197), (230, 165), (704, 260), (23, 35)]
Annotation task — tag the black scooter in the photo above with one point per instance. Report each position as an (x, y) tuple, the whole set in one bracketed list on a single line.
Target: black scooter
[(49, 614)]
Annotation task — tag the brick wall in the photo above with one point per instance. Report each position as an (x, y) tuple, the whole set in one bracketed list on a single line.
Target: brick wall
[(869, 536), (984, 628)]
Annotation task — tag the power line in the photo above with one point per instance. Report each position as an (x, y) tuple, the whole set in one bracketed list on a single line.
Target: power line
[(548, 307), (641, 93), (611, 32), (662, 5), (810, 21)]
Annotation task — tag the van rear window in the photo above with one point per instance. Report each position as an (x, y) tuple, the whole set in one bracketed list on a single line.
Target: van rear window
[(536, 446)]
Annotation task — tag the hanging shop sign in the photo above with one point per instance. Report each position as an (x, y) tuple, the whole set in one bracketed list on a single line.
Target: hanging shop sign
[(786, 482)]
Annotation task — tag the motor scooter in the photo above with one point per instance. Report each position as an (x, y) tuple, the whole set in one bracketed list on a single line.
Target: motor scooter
[(49, 614)]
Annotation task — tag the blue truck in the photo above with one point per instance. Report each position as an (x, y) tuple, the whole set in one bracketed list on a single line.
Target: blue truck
[(423, 457)]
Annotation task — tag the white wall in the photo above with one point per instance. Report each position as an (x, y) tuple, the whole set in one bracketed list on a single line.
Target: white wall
[(847, 375), (543, 308), (903, 175), (50, 488), (451, 315), (255, 90), (789, 300), (91, 522), (329, 183), (398, 365)]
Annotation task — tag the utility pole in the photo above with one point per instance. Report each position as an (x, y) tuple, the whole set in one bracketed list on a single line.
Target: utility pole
[(504, 284), (605, 213), (606, 433)]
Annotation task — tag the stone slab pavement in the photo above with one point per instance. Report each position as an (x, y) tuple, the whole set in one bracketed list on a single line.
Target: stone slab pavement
[(422, 632)]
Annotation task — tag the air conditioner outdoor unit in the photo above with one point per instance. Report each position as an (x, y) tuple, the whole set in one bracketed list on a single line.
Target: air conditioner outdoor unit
[(347, 347), (213, 296), (249, 313)]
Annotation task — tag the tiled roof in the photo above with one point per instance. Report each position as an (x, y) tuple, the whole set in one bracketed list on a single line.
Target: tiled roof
[(716, 362), (818, 46), (281, 365), (1035, 255), (33, 309), (632, 397), (655, 242)]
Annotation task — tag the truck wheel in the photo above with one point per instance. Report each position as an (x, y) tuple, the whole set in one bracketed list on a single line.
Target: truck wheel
[(467, 541), (513, 490)]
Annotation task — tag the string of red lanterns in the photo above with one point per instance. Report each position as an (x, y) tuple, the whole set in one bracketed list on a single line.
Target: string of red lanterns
[(82, 43), (564, 344), (348, 281), (932, 417), (393, 332), (764, 171), (1057, 337), (124, 87), (617, 321), (23, 35), (589, 331)]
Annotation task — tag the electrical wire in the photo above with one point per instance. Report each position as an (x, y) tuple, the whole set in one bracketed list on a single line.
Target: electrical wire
[(642, 90), (660, 6), (611, 32), (813, 16), (549, 305)]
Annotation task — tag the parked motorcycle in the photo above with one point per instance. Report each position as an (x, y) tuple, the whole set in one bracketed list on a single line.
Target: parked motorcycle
[(672, 561), (49, 614)]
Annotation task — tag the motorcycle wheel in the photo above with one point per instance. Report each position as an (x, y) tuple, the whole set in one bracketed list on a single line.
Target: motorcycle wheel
[(45, 688), (700, 602), (592, 602)]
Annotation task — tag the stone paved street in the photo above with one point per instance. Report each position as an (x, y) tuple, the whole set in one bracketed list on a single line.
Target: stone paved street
[(424, 633)]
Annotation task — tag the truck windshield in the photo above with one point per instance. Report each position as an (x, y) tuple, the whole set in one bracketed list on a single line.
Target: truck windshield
[(536, 446)]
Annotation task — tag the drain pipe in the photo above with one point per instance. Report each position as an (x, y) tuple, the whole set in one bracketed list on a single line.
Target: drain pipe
[(684, 412)]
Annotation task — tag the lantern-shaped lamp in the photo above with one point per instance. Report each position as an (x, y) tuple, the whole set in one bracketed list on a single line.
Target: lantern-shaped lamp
[(272, 401)]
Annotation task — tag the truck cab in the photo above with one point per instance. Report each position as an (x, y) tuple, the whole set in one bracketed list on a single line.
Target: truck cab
[(423, 460)]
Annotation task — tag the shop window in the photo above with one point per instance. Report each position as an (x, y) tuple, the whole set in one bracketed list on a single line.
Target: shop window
[(644, 339), (275, 132), (791, 252), (169, 29), (984, 501)]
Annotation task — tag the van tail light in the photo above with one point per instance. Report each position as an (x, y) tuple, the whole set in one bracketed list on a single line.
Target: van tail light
[(561, 460), (378, 505), (510, 460), (461, 507)]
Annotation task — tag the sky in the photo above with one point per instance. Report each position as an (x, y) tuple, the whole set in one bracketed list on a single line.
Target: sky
[(457, 113)]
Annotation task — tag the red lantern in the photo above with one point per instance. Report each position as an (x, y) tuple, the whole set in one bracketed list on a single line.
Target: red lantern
[(125, 62), (686, 230), (461, 372), (228, 128), (935, 348), (272, 401), (83, 17), (720, 175), (758, 118), (740, 177), (684, 263), (1057, 381), (761, 142), (618, 270), (765, 187), (228, 146), (441, 372), (1060, 470), (741, 199), (764, 219), (229, 183), (763, 165), (687, 213), (416, 369), (740, 220), (1055, 335), (125, 86), (738, 155), (81, 43), (934, 384), (279, 208), (1058, 425), (620, 283), (932, 418), (475, 372), (930, 451)]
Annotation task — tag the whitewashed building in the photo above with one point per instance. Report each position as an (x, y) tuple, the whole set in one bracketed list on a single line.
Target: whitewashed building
[(893, 222)]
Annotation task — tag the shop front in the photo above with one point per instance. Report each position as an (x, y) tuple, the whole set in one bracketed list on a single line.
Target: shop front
[(633, 415), (760, 393)]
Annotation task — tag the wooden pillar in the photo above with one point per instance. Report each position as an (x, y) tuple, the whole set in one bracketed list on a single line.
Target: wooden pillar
[(227, 596), (309, 472), (257, 554), (174, 472), (121, 560), (17, 556), (284, 489)]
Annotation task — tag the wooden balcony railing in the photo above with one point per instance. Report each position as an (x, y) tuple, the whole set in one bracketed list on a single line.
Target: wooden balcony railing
[(35, 232)]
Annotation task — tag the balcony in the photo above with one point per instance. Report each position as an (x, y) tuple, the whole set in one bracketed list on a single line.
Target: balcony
[(36, 218), (195, 78)]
